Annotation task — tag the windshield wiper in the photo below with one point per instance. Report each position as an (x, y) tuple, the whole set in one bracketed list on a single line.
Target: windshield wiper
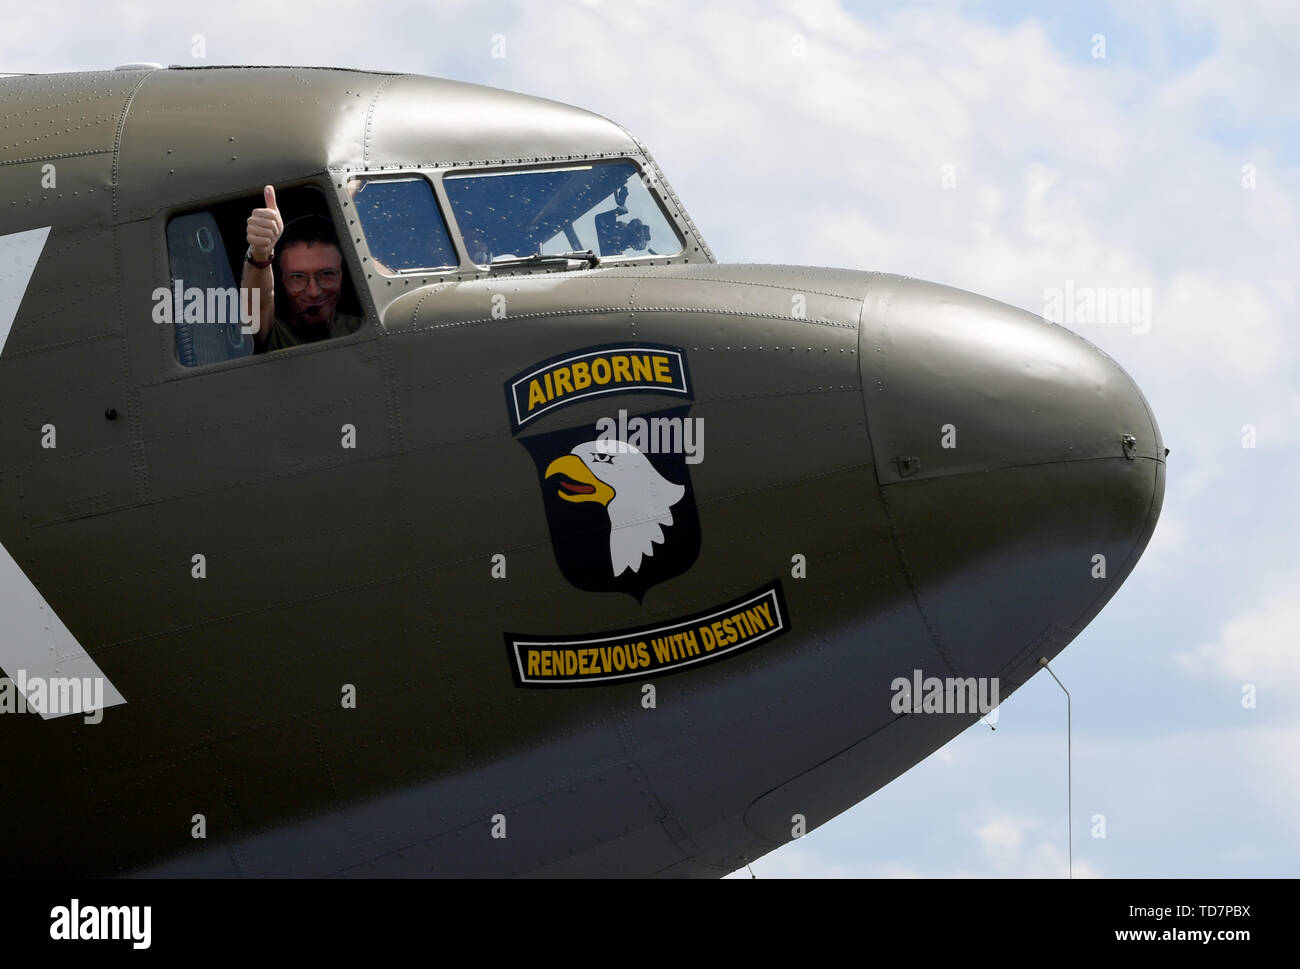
[(546, 259)]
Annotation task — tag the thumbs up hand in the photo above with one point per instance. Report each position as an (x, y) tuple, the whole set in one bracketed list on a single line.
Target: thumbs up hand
[(265, 226)]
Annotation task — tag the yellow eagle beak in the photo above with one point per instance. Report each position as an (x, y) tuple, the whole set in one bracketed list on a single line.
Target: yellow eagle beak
[(576, 482)]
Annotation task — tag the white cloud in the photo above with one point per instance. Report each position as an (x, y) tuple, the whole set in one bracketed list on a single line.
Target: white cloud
[(1015, 846), (1260, 646)]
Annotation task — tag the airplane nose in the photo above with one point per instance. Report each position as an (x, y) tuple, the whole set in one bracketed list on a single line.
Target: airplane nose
[(1021, 469)]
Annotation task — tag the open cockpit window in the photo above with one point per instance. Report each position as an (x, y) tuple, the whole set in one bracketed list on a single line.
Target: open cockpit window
[(223, 307), (404, 229), (204, 301), (603, 207)]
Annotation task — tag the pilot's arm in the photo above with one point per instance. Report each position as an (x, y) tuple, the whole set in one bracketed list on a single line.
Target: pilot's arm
[(264, 228)]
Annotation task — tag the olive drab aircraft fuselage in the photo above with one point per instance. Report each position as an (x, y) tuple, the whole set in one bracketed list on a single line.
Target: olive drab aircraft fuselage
[(584, 553)]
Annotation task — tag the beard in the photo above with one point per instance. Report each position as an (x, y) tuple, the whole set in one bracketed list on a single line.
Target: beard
[(314, 314)]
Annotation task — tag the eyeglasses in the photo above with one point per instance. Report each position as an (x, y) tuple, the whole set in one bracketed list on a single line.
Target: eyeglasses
[(326, 279)]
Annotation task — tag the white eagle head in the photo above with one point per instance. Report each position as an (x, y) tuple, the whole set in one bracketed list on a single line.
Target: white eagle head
[(637, 498)]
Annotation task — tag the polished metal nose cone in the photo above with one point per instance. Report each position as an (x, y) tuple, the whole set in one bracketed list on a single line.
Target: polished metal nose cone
[(1020, 466)]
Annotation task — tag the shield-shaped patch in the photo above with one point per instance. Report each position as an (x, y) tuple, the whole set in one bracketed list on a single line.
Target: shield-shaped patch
[(619, 502)]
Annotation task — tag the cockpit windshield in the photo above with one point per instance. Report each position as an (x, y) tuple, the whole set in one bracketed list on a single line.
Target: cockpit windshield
[(603, 207)]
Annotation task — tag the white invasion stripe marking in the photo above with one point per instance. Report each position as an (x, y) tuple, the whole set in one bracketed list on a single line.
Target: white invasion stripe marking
[(19, 252), (36, 647), (36, 641)]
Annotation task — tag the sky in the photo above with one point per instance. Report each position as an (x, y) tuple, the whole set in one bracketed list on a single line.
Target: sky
[(1010, 149)]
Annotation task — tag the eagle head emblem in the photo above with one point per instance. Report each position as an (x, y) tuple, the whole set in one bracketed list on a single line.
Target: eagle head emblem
[(637, 498)]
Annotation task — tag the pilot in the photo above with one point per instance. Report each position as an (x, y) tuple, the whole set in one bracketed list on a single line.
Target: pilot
[(304, 258)]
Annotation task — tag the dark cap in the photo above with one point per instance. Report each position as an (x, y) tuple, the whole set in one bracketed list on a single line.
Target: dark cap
[(309, 229)]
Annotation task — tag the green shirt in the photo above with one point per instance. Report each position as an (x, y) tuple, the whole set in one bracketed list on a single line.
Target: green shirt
[(284, 335)]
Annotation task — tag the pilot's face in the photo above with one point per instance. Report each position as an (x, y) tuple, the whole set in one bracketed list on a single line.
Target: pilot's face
[(311, 273)]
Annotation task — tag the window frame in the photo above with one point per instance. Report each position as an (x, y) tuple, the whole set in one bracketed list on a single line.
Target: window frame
[(440, 205), (559, 164), (384, 290), (324, 182)]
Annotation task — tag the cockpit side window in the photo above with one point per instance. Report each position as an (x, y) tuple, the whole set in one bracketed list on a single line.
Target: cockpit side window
[(403, 227), (213, 318), (604, 207)]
